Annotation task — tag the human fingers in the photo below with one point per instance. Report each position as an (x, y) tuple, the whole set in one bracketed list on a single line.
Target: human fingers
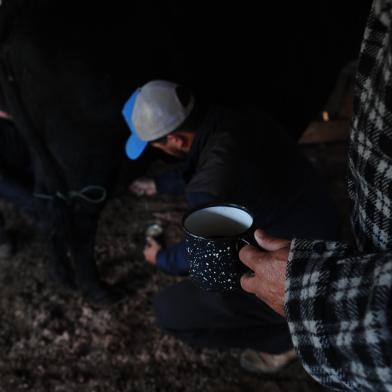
[(268, 242), (252, 256), (267, 287), (250, 283)]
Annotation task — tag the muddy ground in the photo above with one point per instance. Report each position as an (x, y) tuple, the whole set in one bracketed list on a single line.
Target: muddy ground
[(55, 341)]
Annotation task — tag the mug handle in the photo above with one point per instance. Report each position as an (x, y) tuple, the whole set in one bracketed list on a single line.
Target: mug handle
[(239, 245), (242, 267)]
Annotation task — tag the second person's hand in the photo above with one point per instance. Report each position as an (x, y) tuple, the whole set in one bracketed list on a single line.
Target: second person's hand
[(269, 265), (143, 187)]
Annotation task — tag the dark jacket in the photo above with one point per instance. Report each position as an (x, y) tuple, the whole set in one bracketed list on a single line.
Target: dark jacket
[(242, 157)]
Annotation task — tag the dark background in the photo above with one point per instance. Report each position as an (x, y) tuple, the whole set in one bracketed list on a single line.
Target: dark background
[(282, 56)]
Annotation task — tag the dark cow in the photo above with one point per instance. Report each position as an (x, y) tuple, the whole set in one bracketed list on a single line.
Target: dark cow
[(63, 80), (67, 66)]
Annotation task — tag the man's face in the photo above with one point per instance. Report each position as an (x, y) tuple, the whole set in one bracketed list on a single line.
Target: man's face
[(176, 145), (170, 149)]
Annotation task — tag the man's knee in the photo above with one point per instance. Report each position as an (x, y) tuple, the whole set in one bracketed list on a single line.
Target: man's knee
[(178, 307), (164, 309), (171, 320)]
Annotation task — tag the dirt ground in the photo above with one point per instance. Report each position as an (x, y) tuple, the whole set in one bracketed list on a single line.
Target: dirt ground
[(55, 341)]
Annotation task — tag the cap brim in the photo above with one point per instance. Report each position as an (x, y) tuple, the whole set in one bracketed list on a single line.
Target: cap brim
[(135, 147)]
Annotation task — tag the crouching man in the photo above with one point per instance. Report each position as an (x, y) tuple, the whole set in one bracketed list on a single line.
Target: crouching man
[(225, 155)]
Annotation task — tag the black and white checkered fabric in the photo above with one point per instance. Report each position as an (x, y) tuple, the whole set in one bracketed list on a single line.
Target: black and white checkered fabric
[(339, 300)]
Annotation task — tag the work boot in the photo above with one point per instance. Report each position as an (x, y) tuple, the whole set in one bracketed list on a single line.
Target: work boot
[(259, 362)]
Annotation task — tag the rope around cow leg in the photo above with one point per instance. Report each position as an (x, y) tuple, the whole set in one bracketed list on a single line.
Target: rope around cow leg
[(82, 194)]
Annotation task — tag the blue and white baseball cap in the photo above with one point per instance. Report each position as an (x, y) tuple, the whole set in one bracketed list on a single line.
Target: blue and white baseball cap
[(152, 112)]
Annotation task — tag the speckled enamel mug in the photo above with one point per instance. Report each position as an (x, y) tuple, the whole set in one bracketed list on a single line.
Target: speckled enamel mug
[(213, 235)]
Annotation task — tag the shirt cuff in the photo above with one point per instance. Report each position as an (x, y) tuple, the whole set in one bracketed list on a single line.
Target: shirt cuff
[(161, 261)]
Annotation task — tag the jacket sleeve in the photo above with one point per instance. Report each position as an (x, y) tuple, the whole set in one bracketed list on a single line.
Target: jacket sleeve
[(172, 260), (338, 308)]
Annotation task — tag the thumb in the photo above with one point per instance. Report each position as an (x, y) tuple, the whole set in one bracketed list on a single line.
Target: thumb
[(269, 243)]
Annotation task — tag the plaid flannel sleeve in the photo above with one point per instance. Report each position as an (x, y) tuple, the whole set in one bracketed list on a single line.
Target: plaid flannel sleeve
[(338, 310)]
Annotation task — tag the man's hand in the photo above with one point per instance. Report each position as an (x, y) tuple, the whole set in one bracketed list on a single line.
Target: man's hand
[(151, 250), (5, 115), (143, 186), (269, 267)]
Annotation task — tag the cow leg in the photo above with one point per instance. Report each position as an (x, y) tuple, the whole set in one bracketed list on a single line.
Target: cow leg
[(59, 269), (17, 194), (5, 243), (82, 247), (12, 191), (52, 223)]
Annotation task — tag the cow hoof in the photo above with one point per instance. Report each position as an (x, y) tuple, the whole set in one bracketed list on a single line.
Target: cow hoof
[(103, 295), (5, 250)]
